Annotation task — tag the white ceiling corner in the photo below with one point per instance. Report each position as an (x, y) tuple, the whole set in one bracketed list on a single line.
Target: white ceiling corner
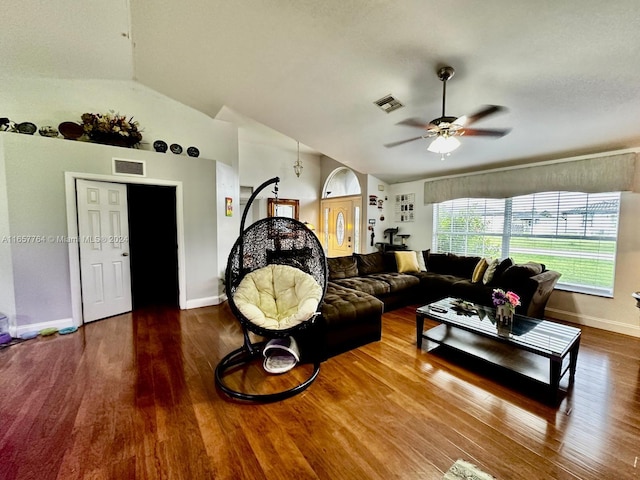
[(310, 71)]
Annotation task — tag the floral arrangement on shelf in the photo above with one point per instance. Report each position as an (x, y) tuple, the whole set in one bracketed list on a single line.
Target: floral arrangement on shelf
[(112, 129), (510, 299)]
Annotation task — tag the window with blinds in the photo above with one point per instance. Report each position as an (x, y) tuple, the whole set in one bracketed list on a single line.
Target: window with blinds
[(570, 232)]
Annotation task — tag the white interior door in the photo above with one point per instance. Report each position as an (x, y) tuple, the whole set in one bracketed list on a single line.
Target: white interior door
[(103, 227)]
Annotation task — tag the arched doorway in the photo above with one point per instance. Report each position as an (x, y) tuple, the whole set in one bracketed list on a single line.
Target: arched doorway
[(341, 207)]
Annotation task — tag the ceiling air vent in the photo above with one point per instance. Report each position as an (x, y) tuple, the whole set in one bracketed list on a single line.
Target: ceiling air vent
[(389, 103), (135, 168)]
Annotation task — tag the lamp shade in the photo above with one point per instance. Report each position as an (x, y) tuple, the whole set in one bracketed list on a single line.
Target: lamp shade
[(444, 144)]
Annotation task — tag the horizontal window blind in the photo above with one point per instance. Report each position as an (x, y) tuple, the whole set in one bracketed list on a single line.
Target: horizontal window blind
[(470, 226), (570, 232)]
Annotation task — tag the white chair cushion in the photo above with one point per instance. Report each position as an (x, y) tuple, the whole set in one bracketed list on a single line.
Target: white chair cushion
[(277, 297)]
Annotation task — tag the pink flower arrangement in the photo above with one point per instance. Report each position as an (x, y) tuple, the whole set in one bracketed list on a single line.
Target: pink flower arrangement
[(510, 299)]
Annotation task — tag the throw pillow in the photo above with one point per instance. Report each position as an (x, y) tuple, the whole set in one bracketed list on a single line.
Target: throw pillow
[(421, 265), (490, 271), (407, 262), (369, 263), (502, 267), (425, 257), (478, 272), (390, 264), (342, 267), (517, 273)]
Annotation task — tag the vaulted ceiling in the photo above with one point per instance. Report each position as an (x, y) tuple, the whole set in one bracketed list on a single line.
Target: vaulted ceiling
[(311, 70)]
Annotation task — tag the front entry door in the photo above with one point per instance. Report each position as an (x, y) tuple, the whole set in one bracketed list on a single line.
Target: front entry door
[(340, 228), (103, 227)]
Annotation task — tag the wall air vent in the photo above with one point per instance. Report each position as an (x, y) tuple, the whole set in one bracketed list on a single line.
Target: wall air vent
[(134, 168), (389, 103)]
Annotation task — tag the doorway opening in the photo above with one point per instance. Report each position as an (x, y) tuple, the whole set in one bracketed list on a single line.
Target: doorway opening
[(72, 229), (340, 217), (153, 244)]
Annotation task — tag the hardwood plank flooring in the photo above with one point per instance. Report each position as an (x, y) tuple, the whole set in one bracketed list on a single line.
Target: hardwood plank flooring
[(133, 396)]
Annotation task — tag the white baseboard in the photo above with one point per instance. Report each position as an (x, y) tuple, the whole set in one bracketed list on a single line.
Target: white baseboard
[(206, 301), (36, 327), (589, 321)]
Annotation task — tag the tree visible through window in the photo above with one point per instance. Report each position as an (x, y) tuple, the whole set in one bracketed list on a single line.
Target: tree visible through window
[(573, 233)]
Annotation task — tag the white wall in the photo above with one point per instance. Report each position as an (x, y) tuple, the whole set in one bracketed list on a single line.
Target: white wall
[(51, 101), (227, 185), (7, 294), (34, 169), (260, 162), (373, 212), (35, 280), (422, 226), (617, 314)]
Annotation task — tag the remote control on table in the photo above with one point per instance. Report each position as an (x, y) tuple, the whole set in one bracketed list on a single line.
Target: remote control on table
[(438, 309)]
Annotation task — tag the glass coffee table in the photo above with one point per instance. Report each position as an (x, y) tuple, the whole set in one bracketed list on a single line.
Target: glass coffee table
[(538, 349)]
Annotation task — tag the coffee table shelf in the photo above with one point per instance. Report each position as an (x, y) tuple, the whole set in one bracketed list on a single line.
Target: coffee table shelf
[(538, 349)]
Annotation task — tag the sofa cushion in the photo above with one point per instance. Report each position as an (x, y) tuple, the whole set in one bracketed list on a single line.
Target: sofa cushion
[(350, 319), (437, 263), (407, 261), (342, 267), (342, 304), (370, 285), (436, 284), (472, 292), (396, 281), (516, 273), (369, 263), (452, 264), (277, 297), (462, 266), (422, 265)]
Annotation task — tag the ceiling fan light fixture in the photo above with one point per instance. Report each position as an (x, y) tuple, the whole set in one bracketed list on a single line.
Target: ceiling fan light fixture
[(444, 144)]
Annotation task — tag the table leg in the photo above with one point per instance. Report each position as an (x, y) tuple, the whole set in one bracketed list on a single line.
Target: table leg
[(556, 368), (419, 329), (573, 360)]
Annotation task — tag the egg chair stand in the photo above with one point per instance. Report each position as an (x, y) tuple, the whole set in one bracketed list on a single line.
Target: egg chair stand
[(271, 246)]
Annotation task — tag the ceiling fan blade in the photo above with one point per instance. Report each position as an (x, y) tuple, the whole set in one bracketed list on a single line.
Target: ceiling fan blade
[(414, 122), (395, 144), (479, 132), (479, 115)]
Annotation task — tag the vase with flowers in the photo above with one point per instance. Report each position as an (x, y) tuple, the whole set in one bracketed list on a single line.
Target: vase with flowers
[(112, 129), (505, 303)]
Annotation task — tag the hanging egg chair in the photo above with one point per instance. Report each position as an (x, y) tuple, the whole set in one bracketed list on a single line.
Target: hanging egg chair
[(275, 280)]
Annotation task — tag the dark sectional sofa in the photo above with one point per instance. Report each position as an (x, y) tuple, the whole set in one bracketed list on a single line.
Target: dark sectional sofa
[(362, 286)]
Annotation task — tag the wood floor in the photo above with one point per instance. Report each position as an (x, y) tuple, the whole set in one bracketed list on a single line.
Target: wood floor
[(133, 396)]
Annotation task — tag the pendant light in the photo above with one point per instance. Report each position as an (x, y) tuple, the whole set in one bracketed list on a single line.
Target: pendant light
[(297, 167)]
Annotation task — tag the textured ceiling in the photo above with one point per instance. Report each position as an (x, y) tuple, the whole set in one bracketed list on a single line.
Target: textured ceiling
[(567, 71)]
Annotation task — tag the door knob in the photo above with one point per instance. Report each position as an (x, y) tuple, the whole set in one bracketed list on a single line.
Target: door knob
[(125, 254)]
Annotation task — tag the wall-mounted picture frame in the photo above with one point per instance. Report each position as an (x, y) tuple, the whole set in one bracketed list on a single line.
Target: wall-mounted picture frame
[(284, 207), (228, 206)]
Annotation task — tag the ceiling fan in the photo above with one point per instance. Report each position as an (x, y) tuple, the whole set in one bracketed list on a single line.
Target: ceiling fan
[(445, 128)]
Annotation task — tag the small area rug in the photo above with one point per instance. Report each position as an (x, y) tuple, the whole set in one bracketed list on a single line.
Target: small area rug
[(462, 470)]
